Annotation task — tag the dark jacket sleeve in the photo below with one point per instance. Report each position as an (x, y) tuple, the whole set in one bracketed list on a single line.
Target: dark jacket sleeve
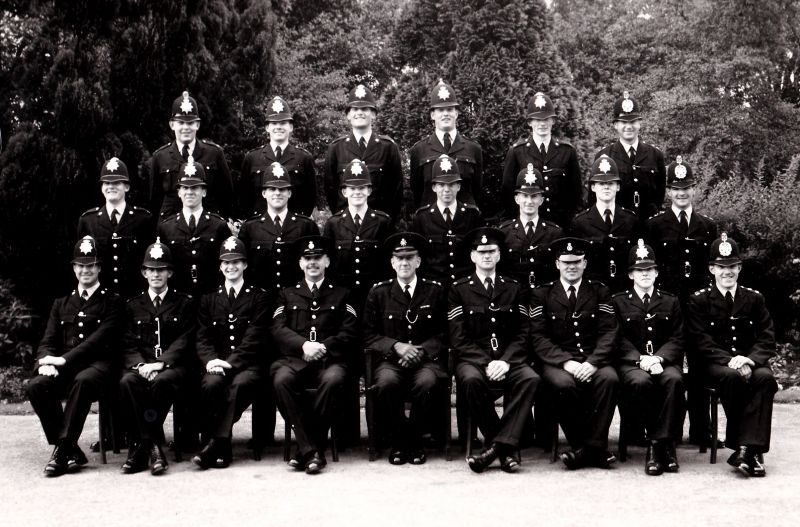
[(372, 325), (206, 349), (181, 347), (607, 329), (289, 342), (52, 338), (461, 345), (517, 350), (255, 336), (544, 348), (341, 344), (672, 350), (111, 327)]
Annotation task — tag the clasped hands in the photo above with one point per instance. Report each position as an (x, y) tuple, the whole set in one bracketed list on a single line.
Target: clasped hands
[(583, 371), (313, 351), (149, 371), (410, 355), (743, 365), (217, 366), (651, 364), (49, 365)]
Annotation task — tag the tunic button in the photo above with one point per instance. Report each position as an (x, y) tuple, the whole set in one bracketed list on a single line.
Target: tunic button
[(116, 269), (636, 180), (278, 262), (80, 324), (233, 347), (358, 260), (313, 317), (114, 245), (278, 238), (278, 273), (358, 282), (193, 252), (577, 333), (547, 188), (314, 303), (358, 238), (80, 335), (232, 337), (116, 257), (231, 326), (649, 328), (451, 266), (357, 249), (358, 271), (449, 243), (278, 251), (409, 326), (575, 323), (451, 254), (116, 281), (493, 320)]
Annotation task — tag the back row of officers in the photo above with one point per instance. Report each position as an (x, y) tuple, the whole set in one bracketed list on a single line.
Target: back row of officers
[(512, 304)]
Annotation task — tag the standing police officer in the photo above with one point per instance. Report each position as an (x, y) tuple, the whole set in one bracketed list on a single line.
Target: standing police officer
[(556, 160), (641, 165), (379, 152), (120, 230), (297, 163), (166, 163), (445, 140)]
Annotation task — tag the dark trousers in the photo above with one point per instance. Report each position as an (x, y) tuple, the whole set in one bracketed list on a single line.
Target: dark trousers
[(227, 396), (747, 404), (393, 385), (654, 400), (519, 390), (145, 403), (584, 409), (310, 419), (78, 388)]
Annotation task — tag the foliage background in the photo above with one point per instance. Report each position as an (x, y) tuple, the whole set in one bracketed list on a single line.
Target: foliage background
[(83, 80)]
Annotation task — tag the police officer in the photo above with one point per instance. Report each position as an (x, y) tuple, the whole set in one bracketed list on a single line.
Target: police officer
[(555, 159), (733, 336), (573, 337), (121, 230), (194, 234), (650, 363), (232, 326), (297, 163), (404, 321), (641, 165), (488, 333), (268, 236), (444, 223), (315, 332), (610, 228), (528, 236), (158, 356), (357, 232), (166, 163), (447, 140), (379, 152), (75, 359)]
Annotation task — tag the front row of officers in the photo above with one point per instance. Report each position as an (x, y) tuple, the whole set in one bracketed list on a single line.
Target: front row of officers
[(589, 349)]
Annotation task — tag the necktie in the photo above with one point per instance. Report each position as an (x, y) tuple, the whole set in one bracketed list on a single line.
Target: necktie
[(185, 153), (407, 292), (489, 287), (314, 291), (192, 223), (157, 302), (632, 154), (542, 150), (114, 214), (646, 300), (448, 219), (357, 220), (573, 299), (447, 142), (729, 302), (85, 296), (278, 223), (607, 214), (231, 295), (684, 224), (529, 230), (362, 144), (278, 153)]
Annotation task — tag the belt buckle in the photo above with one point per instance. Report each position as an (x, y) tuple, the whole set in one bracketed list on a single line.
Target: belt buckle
[(493, 343), (312, 336)]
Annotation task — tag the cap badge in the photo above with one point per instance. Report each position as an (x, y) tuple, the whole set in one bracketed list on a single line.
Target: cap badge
[(443, 92), (186, 104), (641, 250), (484, 239), (530, 176), (230, 244), (355, 168), (190, 169), (446, 165), (156, 252), (361, 91), (604, 166), (627, 106), (310, 246), (277, 105), (403, 242), (680, 171), (725, 248), (86, 246), (569, 246), (277, 170), (113, 164), (539, 101)]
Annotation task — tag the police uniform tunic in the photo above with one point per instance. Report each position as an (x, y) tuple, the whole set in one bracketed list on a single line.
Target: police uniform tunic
[(468, 156), (163, 335), (272, 264), (165, 172), (528, 260), (385, 170), (483, 329), (643, 180), (236, 333), (195, 253), (561, 174), (389, 317), (299, 318), (716, 338), (588, 334), (85, 333), (299, 166), (121, 247), (655, 329), (446, 259)]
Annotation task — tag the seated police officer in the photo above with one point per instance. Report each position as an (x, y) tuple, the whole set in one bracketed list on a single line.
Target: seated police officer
[(573, 335), (231, 336), (315, 332), (404, 321), (489, 337), (75, 359), (158, 352), (734, 338), (650, 363)]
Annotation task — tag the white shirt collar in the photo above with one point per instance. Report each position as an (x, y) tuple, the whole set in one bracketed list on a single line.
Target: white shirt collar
[(311, 284), (677, 212), (453, 207), (237, 286), (153, 294), (642, 292), (361, 213), (412, 285), (281, 215), (197, 214), (566, 286), (440, 136), (525, 223), (275, 145), (601, 208), (120, 209), (482, 277), (90, 290), (191, 147), (538, 142), (732, 290), (367, 136), (627, 147)]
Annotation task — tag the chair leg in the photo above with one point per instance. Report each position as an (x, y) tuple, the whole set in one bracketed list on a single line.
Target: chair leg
[(176, 433), (448, 433), (554, 445), (101, 421), (714, 403), (370, 410), (334, 448), (623, 442), (470, 435), (287, 440)]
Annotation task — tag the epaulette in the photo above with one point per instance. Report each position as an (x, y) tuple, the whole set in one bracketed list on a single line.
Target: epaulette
[(423, 208), (211, 143), (340, 138), (387, 138), (379, 213), (90, 211), (434, 282), (656, 215), (548, 284), (212, 213), (622, 293), (506, 224), (752, 290), (131, 299), (665, 293), (598, 282), (627, 210), (302, 149), (508, 279), (462, 280), (379, 284), (140, 210), (339, 212), (301, 217), (701, 291), (256, 149), (256, 216), (585, 211), (560, 142), (520, 141), (163, 147), (469, 206)]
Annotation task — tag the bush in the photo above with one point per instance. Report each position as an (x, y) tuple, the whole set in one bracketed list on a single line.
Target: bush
[(16, 330), (12, 384)]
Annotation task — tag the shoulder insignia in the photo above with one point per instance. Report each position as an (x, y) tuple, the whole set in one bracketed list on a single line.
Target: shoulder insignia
[(508, 279), (380, 213), (561, 142), (621, 293), (665, 293), (506, 223), (211, 143), (163, 147), (215, 215), (462, 280), (256, 149), (596, 282), (700, 292), (379, 284), (423, 208), (340, 138), (657, 214), (300, 148), (141, 210), (387, 138), (434, 282), (629, 211), (90, 211), (584, 211), (752, 290)]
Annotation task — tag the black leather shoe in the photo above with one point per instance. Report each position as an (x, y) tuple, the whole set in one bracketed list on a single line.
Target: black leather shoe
[(740, 460), (417, 457), (653, 465), (76, 459), (136, 461), (58, 462), (297, 461), (602, 458), (670, 458), (158, 462), (224, 453), (398, 457), (509, 463), (575, 459), (482, 461), (757, 468), (207, 456), (315, 463)]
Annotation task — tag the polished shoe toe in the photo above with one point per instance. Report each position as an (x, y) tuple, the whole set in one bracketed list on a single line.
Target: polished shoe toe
[(740, 460), (757, 467), (206, 457), (671, 459), (653, 465), (158, 462), (136, 461), (316, 462), (417, 457), (482, 461), (57, 465), (509, 464), (574, 459), (76, 459), (398, 457)]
